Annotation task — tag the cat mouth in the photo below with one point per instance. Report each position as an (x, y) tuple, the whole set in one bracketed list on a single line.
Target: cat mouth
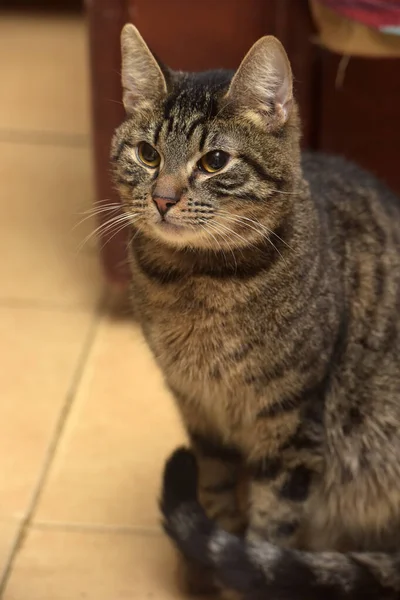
[(170, 227), (175, 232)]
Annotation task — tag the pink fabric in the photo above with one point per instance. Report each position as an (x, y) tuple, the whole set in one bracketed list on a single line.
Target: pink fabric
[(379, 14)]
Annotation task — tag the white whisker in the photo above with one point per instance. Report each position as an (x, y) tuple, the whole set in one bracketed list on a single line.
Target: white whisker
[(106, 227), (240, 237), (260, 226), (219, 245), (94, 213), (114, 233), (224, 233), (267, 233), (99, 209)]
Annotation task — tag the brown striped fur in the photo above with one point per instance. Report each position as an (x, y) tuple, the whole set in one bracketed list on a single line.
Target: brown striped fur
[(269, 294)]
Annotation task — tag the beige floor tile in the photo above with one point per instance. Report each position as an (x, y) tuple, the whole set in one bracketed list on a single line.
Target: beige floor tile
[(39, 352), (44, 74), (44, 190), (123, 425), (8, 534), (67, 565)]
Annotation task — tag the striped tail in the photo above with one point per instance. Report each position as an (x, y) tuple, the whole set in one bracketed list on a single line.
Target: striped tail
[(260, 570)]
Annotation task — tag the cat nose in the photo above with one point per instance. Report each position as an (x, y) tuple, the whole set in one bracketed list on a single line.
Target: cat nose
[(167, 193), (164, 204)]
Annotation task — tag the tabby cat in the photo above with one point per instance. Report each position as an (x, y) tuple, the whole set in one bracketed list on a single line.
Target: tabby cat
[(267, 285)]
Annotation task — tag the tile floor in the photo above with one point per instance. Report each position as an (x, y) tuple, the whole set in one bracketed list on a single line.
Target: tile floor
[(85, 422)]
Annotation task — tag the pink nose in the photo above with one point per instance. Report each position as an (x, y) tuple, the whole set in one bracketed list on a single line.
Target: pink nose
[(164, 204)]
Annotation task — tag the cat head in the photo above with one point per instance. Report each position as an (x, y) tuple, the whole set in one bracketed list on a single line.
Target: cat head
[(206, 160)]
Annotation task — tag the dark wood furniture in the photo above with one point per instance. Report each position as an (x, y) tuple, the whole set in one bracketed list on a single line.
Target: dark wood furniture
[(360, 119)]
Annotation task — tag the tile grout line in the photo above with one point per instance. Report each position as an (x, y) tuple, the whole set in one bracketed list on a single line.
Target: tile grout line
[(38, 304), (52, 446), (97, 528), (46, 138)]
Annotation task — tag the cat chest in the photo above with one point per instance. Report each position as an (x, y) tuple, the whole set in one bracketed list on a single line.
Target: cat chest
[(197, 351), (204, 364)]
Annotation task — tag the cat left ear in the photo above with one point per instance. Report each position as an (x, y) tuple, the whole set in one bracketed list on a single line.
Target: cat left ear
[(142, 78), (264, 82)]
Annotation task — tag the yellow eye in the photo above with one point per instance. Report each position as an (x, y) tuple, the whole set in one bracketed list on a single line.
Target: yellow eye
[(213, 161), (148, 155)]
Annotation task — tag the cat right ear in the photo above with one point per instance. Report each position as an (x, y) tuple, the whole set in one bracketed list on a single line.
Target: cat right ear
[(263, 83), (142, 78)]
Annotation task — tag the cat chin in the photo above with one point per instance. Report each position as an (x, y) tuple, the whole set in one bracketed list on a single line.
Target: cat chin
[(181, 236), (177, 235)]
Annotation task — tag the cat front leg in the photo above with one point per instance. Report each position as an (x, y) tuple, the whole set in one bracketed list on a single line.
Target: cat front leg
[(220, 468), (278, 496), (285, 467)]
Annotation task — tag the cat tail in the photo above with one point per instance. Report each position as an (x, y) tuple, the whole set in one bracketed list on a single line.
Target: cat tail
[(260, 570)]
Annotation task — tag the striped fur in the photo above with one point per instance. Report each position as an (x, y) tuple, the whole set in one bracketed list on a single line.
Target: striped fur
[(259, 569), (269, 294)]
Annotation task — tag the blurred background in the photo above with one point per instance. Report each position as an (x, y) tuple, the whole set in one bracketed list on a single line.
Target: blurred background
[(85, 422)]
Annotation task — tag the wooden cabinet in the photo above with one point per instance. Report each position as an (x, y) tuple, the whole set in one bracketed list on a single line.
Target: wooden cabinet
[(359, 119)]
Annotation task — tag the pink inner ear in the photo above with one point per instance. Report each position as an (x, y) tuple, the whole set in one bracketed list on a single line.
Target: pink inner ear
[(130, 100), (286, 107), (283, 92), (264, 81)]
